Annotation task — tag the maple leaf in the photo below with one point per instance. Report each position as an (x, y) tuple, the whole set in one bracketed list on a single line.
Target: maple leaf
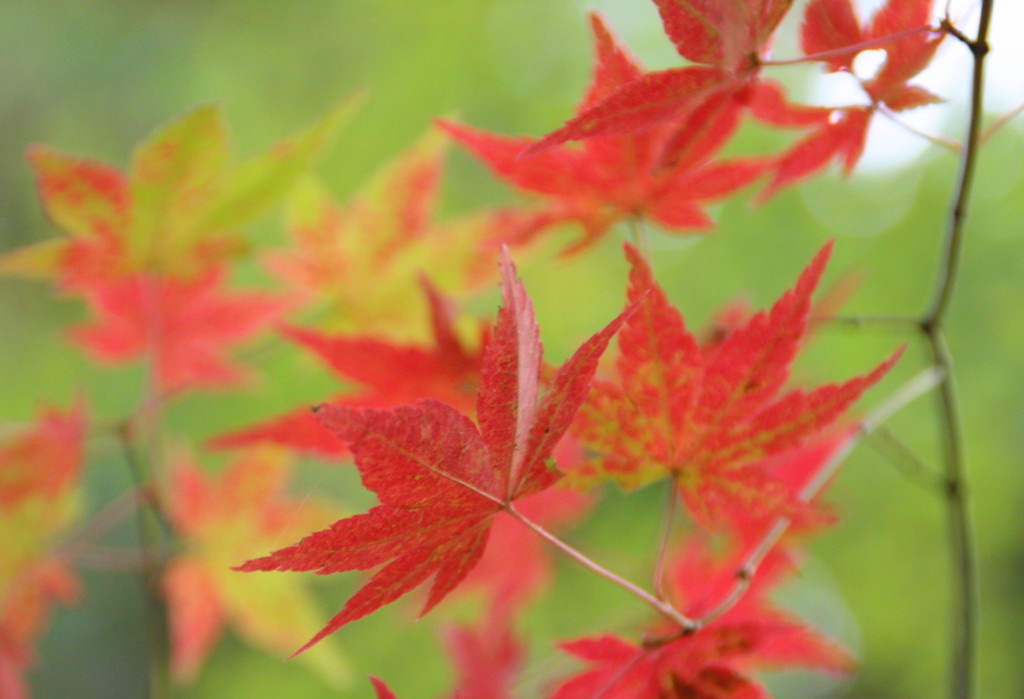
[(715, 661), (386, 373), (725, 39), (439, 478), (220, 519), (831, 25), (621, 176), (362, 258), (185, 327), (39, 468), (177, 209), (705, 416)]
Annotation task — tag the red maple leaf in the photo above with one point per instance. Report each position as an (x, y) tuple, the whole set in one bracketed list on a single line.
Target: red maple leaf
[(707, 416), (828, 27), (620, 176), (387, 374), (185, 327), (725, 39), (439, 478), (714, 662)]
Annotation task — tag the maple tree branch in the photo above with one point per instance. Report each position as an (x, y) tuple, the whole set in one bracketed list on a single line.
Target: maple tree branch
[(662, 607), (999, 123), (940, 141), (860, 46), (879, 322), (917, 386), (144, 427), (963, 558)]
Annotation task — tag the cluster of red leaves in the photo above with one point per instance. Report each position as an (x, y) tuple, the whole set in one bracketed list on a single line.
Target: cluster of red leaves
[(149, 251), (649, 139), (39, 467), (714, 662)]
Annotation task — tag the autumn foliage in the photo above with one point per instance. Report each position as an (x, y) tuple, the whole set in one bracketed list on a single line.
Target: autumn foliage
[(474, 448)]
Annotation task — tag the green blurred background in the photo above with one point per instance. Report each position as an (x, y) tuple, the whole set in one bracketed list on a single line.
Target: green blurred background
[(93, 77)]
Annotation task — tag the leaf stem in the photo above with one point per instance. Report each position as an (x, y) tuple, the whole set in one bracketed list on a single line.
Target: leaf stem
[(940, 141), (638, 231), (662, 607), (852, 48)]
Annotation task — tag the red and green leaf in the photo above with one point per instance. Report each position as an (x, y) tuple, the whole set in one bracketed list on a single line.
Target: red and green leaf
[(177, 210), (223, 518), (39, 468), (360, 261), (707, 416)]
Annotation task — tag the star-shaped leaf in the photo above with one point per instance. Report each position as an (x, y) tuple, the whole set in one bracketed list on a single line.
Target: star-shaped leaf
[(716, 661), (175, 212), (706, 416), (439, 478), (622, 174)]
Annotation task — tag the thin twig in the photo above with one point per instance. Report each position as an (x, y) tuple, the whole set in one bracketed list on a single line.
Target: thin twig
[(999, 123), (852, 48), (906, 461), (940, 141), (660, 606), (104, 521), (879, 322)]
